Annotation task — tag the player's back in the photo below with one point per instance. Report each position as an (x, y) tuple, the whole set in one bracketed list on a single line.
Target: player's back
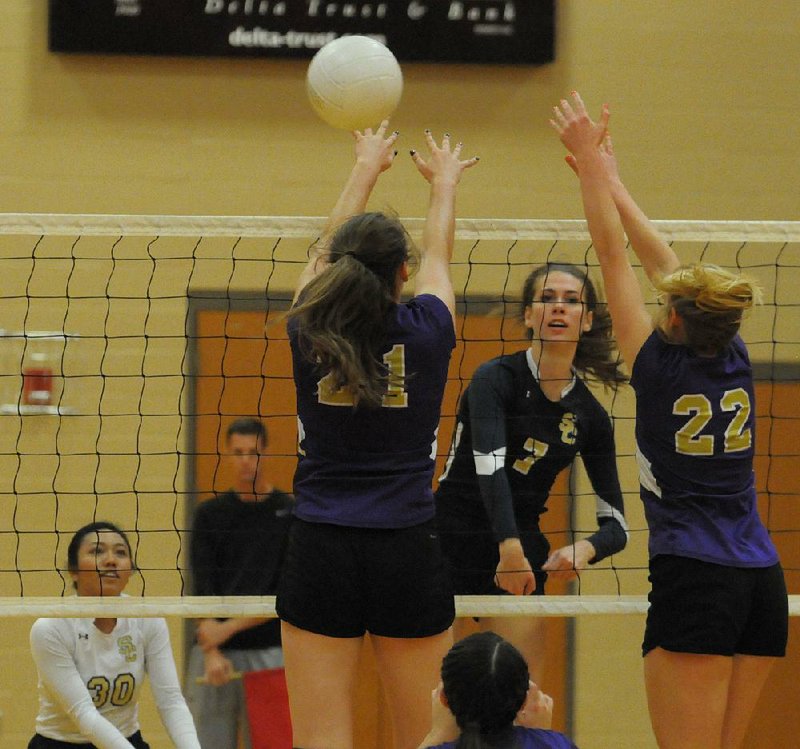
[(373, 467)]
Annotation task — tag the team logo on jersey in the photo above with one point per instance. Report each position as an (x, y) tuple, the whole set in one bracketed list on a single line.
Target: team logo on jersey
[(83, 635), (127, 648), (569, 428)]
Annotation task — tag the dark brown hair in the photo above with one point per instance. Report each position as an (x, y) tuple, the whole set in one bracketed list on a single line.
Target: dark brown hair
[(96, 528), (486, 681), (248, 425), (342, 313), (596, 353)]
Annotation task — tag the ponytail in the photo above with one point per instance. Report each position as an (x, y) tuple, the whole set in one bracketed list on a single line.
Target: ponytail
[(710, 301), (343, 312), (486, 682)]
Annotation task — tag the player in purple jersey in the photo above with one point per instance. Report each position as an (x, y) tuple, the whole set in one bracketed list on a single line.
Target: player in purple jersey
[(524, 418), (370, 371), (486, 700), (718, 613)]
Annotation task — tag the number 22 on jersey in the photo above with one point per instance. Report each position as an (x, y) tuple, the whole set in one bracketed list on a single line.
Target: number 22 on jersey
[(737, 437)]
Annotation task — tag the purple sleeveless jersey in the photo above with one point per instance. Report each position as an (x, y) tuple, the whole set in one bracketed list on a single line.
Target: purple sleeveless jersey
[(529, 738), (373, 468), (695, 435)]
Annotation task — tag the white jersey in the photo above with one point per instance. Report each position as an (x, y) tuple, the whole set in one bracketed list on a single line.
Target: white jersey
[(89, 681)]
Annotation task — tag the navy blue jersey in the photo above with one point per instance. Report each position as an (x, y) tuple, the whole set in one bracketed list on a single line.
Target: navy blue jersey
[(373, 467), (695, 435), (511, 442), (528, 738)]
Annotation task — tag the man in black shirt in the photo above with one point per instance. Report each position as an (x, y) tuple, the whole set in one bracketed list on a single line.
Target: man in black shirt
[(237, 547)]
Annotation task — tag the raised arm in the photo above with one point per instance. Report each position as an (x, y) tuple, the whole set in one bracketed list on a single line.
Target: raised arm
[(374, 154), (443, 169), (632, 323), (657, 257)]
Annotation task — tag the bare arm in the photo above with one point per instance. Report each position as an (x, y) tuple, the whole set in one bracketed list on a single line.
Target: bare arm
[(443, 169), (657, 257), (374, 154), (443, 724), (632, 323), (211, 635)]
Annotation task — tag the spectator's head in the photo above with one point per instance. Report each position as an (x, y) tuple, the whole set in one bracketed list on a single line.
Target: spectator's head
[(246, 443)]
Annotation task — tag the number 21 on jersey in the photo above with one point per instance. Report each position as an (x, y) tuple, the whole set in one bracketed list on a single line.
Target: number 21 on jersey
[(395, 397)]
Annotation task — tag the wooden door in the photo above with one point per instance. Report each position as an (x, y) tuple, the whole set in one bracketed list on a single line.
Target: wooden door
[(242, 364), (776, 721)]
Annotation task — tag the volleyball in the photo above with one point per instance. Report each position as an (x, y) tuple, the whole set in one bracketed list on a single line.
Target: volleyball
[(354, 82)]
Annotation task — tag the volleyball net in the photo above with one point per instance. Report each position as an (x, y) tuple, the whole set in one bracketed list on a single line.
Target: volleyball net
[(129, 343)]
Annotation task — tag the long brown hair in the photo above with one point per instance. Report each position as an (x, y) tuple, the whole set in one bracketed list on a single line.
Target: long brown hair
[(710, 301), (342, 313), (596, 353)]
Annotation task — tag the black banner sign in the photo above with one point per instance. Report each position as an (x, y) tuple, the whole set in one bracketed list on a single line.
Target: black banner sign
[(484, 31)]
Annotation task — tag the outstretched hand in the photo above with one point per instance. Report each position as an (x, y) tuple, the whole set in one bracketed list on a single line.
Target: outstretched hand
[(607, 156), (577, 131), (444, 162), (376, 149)]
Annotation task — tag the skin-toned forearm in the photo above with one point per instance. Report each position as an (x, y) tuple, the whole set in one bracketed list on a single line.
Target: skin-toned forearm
[(601, 212), (657, 257), (374, 155), (352, 200), (212, 634), (583, 138), (439, 232), (246, 622), (355, 194)]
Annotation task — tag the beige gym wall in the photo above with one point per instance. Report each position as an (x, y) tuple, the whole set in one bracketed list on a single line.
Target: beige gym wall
[(705, 122)]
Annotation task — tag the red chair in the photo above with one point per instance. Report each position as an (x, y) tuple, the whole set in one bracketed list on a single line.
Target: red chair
[(268, 709)]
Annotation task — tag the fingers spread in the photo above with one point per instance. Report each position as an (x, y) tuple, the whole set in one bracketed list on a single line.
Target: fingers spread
[(578, 102), (605, 115)]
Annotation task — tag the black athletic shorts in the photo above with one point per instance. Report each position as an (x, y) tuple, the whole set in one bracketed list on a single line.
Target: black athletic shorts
[(472, 556), (712, 609), (42, 742), (340, 581)]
